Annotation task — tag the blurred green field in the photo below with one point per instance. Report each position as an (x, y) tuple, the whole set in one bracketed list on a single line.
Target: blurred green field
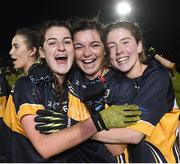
[(176, 84)]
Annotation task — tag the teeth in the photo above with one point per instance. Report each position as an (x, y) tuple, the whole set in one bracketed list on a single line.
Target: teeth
[(58, 56), (88, 61), (121, 60)]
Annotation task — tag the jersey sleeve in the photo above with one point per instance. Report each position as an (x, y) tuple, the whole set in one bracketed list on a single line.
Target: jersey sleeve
[(28, 98), (4, 93), (4, 86), (123, 92), (155, 97)]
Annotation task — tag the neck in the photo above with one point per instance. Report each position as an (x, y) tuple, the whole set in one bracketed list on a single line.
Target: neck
[(60, 78), (100, 73), (137, 70)]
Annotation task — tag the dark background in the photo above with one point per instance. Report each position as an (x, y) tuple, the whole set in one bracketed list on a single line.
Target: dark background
[(159, 19)]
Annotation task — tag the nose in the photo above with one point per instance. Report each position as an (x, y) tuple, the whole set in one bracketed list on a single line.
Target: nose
[(60, 47), (11, 52), (119, 48), (87, 52)]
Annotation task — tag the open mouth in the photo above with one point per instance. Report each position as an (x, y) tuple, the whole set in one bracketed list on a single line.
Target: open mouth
[(89, 61), (13, 60), (122, 60), (61, 59)]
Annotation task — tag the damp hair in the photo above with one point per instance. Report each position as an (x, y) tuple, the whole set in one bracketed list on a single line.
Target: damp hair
[(47, 25), (82, 24), (134, 29), (31, 37), (58, 88)]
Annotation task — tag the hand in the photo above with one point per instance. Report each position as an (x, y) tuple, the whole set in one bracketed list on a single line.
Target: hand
[(151, 53), (49, 121), (93, 95), (116, 116), (40, 74)]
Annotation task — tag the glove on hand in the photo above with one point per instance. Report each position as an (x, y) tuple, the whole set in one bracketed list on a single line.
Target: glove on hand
[(49, 121), (93, 95), (40, 74), (151, 53), (116, 116)]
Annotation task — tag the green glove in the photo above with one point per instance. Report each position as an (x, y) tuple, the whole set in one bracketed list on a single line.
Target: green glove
[(116, 116), (49, 121)]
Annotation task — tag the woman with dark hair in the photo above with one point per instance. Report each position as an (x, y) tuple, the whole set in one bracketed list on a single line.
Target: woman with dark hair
[(24, 52), (32, 94), (154, 137)]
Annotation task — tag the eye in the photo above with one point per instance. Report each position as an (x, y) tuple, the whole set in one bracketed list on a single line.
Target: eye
[(111, 46), (125, 42), (78, 47), (68, 41), (16, 46), (95, 45), (51, 43)]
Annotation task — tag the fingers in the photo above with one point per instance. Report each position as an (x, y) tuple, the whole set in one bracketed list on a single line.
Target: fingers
[(130, 107), (129, 123), (44, 112), (49, 113), (48, 132), (124, 107), (132, 113), (49, 127), (131, 119)]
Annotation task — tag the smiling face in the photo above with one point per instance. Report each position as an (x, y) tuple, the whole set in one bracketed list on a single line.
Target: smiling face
[(124, 50), (89, 52), (20, 53), (58, 50)]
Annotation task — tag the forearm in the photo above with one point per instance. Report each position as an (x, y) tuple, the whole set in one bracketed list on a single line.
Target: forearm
[(119, 136), (55, 143)]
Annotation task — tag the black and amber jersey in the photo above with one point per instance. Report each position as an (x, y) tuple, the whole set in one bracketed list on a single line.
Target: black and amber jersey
[(26, 99), (159, 119), (4, 93), (120, 90)]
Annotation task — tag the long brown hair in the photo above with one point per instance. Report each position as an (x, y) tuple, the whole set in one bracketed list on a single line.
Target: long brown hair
[(134, 29)]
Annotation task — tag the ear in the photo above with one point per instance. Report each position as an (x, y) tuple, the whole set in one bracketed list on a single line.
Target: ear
[(41, 52), (33, 52), (140, 47)]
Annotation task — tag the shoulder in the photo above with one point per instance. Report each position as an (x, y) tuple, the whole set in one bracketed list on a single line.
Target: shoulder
[(75, 74), (155, 71), (24, 86)]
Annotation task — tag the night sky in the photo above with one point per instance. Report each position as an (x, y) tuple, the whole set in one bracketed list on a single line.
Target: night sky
[(159, 19)]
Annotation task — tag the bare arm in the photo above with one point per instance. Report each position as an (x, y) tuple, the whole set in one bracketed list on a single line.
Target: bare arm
[(120, 136), (52, 144)]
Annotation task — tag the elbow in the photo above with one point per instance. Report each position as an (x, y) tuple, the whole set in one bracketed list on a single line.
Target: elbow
[(136, 139), (43, 151), (45, 156)]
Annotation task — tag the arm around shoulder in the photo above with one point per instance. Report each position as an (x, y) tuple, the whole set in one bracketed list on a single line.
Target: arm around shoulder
[(55, 143)]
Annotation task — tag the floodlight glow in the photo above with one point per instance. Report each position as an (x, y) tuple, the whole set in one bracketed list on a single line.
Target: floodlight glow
[(123, 8)]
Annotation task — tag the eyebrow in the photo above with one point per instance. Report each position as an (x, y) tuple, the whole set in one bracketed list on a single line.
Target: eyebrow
[(119, 40), (68, 37), (78, 43), (15, 44)]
